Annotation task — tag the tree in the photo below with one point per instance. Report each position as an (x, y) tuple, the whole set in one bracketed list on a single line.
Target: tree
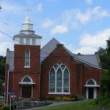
[(105, 63), (2, 73), (2, 67)]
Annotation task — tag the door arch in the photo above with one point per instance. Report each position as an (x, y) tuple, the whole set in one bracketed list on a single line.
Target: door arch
[(91, 89), (26, 88)]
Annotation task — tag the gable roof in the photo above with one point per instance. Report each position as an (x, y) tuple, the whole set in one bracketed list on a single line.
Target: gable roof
[(91, 60), (48, 48)]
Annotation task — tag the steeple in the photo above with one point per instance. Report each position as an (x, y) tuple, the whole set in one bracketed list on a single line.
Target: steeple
[(27, 35), (27, 26)]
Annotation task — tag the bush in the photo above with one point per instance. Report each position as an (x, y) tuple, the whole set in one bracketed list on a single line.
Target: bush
[(58, 98), (6, 108), (51, 98), (65, 98)]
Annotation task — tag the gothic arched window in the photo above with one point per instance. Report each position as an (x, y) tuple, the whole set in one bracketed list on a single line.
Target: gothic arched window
[(52, 80), (59, 79), (27, 59)]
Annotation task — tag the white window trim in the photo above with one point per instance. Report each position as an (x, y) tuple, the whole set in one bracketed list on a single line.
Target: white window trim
[(66, 93), (22, 82), (59, 66), (27, 66)]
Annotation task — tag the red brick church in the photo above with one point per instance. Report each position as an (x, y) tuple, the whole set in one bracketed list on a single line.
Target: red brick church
[(39, 73)]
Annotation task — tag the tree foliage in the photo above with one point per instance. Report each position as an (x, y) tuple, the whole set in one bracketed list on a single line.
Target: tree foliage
[(2, 73), (105, 63), (2, 67)]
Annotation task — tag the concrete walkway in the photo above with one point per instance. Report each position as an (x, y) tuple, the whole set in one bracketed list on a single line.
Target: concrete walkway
[(53, 104)]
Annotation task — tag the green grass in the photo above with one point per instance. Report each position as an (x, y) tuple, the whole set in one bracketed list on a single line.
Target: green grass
[(83, 105)]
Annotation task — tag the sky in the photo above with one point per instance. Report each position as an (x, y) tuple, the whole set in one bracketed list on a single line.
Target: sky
[(83, 26)]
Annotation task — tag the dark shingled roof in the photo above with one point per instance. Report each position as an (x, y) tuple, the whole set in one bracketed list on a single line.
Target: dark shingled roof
[(91, 60)]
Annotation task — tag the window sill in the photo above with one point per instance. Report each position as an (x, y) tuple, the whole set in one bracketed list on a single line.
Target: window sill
[(59, 93), (26, 66)]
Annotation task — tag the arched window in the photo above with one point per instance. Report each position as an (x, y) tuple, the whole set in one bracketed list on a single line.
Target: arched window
[(91, 82), (26, 80), (52, 80), (59, 80), (27, 59), (66, 80)]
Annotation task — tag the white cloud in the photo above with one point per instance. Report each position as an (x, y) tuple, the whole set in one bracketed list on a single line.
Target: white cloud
[(97, 40), (90, 43), (21, 9), (40, 7), (85, 50), (9, 8), (59, 29), (89, 2), (95, 13), (74, 19), (5, 43), (47, 23), (4, 46)]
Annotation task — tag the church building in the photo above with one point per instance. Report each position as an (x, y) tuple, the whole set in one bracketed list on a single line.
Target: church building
[(51, 71)]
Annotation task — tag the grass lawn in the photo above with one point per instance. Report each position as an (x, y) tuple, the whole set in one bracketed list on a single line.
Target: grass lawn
[(83, 105)]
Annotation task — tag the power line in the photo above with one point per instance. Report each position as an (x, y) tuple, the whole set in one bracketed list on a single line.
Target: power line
[(5, 34)]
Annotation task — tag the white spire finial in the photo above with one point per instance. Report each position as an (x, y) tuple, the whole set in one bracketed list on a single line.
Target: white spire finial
[(27, 25), (27, 20)]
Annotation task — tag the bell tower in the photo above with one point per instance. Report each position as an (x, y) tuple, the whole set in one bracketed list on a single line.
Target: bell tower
[(26, 77)]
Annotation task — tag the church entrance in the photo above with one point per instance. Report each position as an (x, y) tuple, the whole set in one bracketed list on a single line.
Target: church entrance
[(26, 87), (26, 91), (90, 93), (91, 89)]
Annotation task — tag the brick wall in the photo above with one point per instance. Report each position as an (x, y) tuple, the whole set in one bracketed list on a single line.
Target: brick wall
[(20, 71), (77, 78)]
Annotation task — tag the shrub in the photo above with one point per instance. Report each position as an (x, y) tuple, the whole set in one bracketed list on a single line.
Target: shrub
[(65, 98), (6, 108), (51, 97), (58, 98)]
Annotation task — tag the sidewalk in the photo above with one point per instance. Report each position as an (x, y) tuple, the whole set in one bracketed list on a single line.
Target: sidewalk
[(54, 104)]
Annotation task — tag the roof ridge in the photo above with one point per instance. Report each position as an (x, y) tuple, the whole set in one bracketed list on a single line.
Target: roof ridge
[(53, 39)]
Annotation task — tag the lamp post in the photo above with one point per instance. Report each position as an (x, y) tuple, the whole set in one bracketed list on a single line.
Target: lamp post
[(12, 97), (7, 93)]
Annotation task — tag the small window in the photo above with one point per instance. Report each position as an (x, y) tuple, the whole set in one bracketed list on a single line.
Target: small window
[(21, 41), (28, 41), (27, 59), (33, 41)]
